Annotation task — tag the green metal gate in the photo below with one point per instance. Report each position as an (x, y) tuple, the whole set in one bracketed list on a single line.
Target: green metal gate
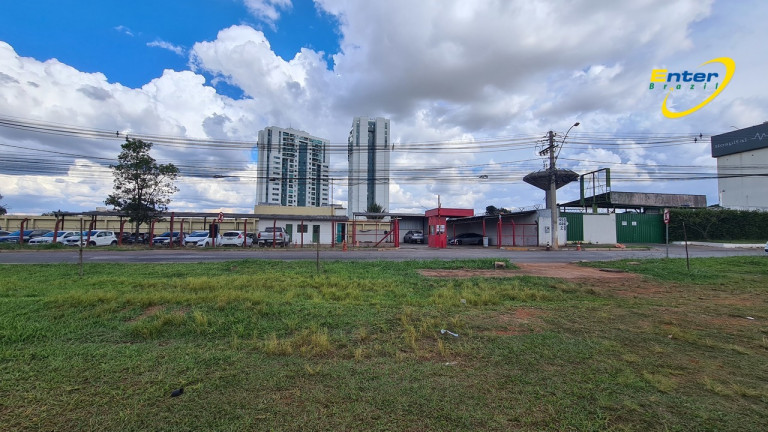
[(639, 228), (575, 227)]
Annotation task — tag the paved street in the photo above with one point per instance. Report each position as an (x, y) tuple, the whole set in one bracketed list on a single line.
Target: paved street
[(407, 252)]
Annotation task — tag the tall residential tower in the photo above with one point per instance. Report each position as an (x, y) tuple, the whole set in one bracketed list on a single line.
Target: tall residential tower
[(368, 155), (292, 167)]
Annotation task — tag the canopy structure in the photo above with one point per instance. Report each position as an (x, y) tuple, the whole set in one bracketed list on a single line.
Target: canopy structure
[(541, 179)]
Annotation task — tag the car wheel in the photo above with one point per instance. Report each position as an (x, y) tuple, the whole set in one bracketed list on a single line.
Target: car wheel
[(458, 242), (114, 243), (92, 243)]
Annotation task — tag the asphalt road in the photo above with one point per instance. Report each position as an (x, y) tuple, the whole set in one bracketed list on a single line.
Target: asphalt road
[(405, 253)]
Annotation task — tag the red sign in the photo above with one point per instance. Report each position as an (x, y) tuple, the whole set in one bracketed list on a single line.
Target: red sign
[(666, 217), (221, 217)]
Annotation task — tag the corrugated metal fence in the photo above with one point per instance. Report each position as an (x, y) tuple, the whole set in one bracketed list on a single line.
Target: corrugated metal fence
[(639, 228)]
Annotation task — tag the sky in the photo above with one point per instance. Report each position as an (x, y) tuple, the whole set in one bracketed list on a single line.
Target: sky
[(471, 89)]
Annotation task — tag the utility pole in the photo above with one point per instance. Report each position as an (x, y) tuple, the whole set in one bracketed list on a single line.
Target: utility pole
[(553, 191)]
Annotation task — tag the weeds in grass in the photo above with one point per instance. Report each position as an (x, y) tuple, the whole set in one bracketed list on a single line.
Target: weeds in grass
[(441, 348), (200, 321), (151, 327), (363, 335), (662, 383)]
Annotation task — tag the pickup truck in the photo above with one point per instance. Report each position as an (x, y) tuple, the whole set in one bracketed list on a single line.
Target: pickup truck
[(271, 235)]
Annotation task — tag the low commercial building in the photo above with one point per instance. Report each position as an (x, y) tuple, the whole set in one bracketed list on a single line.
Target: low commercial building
[(742, 168)]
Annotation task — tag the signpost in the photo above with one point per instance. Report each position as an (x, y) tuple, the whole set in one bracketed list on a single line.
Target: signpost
[(666, 225)]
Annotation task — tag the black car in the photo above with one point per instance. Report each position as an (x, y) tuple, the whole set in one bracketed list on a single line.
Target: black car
[(164, 239), (466, 239)]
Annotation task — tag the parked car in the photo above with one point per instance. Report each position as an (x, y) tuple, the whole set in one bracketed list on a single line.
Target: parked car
[(28, 235), (201, 239), (235, 238), (47, 238), (97, 238), (132, 238), (466, 239), (164, 239), (414, 236), (270, 235), (4, 233), (766, 247)]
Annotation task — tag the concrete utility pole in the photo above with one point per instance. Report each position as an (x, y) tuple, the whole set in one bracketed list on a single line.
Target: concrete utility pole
[(553, 191), (552, 202)]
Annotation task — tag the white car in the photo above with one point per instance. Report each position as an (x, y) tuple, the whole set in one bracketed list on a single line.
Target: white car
[(201, 239), (98, 238), (235, 238), (766, 247), (61, 236)]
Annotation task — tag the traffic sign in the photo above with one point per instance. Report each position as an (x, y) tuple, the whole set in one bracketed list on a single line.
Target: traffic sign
[(221, 217), (666, 216)]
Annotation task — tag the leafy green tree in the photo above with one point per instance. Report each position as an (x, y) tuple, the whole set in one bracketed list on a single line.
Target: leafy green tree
[(142, 188), (375, 208), (2, 208), (493, 210)]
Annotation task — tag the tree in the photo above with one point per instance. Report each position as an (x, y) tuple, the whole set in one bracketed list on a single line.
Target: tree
[(375, 208), (2, 208), (493, 210), (142, 188)]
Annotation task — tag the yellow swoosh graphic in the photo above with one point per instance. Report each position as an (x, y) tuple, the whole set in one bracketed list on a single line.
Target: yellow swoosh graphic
[(730, 68)]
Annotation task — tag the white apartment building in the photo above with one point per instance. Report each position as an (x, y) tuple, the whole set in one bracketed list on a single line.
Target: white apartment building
[(369, 148), (292, 168)]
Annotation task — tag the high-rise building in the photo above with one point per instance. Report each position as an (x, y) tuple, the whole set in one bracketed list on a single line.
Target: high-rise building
[(368, 155), (292, 167)]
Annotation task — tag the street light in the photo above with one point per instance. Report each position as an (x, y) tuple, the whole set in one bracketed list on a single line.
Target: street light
[(554, 213)]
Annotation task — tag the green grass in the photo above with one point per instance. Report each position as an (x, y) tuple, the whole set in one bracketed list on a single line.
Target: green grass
[(272, 345)]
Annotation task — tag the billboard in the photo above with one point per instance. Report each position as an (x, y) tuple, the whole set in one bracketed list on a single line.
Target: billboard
[(751, 138)]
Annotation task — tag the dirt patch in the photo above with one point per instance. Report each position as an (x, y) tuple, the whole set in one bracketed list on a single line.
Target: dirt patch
[(148, 312), (554, 270), (608, 280), (517, 322)]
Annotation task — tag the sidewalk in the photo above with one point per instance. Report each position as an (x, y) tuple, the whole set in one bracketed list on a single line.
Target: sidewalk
[(722, 245)]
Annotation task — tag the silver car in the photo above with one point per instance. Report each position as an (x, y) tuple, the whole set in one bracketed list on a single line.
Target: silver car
[(414, 236), (61, 237)]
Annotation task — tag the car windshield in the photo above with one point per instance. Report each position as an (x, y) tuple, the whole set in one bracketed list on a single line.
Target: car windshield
[(50, 234), (198, 234), (14, 234)]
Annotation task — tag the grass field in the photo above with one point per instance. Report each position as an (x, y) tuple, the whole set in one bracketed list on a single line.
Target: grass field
[(268, 345)]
